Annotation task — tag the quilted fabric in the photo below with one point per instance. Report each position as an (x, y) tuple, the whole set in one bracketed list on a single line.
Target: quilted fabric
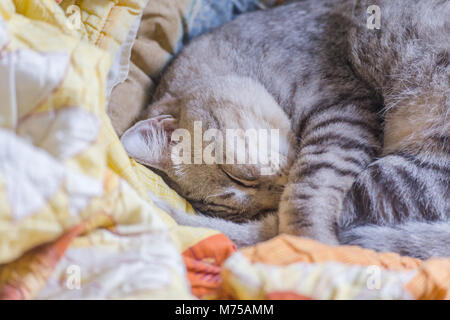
[(288, 267), (72, 204)]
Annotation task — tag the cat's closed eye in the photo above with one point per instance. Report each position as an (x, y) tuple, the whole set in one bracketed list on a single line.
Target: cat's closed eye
[(245, 182)]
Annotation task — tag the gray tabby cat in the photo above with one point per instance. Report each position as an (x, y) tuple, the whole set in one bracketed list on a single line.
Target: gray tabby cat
[(363, 118)]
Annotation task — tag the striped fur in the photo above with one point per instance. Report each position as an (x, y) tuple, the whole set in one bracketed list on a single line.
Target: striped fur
[(368, 110)]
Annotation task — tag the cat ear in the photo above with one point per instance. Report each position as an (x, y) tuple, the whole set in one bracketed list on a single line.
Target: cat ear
[(148, 141)]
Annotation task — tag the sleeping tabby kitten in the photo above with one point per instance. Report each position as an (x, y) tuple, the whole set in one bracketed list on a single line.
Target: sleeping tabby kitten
[(363, 117)]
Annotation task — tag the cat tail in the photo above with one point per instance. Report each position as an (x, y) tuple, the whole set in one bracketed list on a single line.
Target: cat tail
[(242, 234), (416, 238)]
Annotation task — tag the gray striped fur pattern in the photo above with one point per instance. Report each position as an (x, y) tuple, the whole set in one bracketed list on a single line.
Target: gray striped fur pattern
[(363, 116)]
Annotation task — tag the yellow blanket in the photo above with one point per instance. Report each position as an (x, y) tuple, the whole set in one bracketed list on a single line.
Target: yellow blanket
[(64, 177)]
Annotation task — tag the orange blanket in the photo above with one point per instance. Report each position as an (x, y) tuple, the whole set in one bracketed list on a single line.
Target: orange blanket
[(210, 278)]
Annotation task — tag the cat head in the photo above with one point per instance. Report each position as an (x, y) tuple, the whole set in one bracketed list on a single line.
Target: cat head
[(217, 147)]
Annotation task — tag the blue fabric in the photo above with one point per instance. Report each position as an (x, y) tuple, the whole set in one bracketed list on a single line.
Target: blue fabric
[(209, 14)]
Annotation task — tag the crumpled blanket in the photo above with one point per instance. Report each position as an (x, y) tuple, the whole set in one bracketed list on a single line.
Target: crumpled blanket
[(289, 267), (76, 218)]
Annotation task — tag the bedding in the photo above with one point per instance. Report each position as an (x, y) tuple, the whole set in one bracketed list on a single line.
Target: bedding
[(76, 216), (68, 191), (289, 267)]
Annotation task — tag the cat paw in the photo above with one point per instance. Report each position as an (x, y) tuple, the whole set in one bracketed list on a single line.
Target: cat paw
[(294, 223)]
